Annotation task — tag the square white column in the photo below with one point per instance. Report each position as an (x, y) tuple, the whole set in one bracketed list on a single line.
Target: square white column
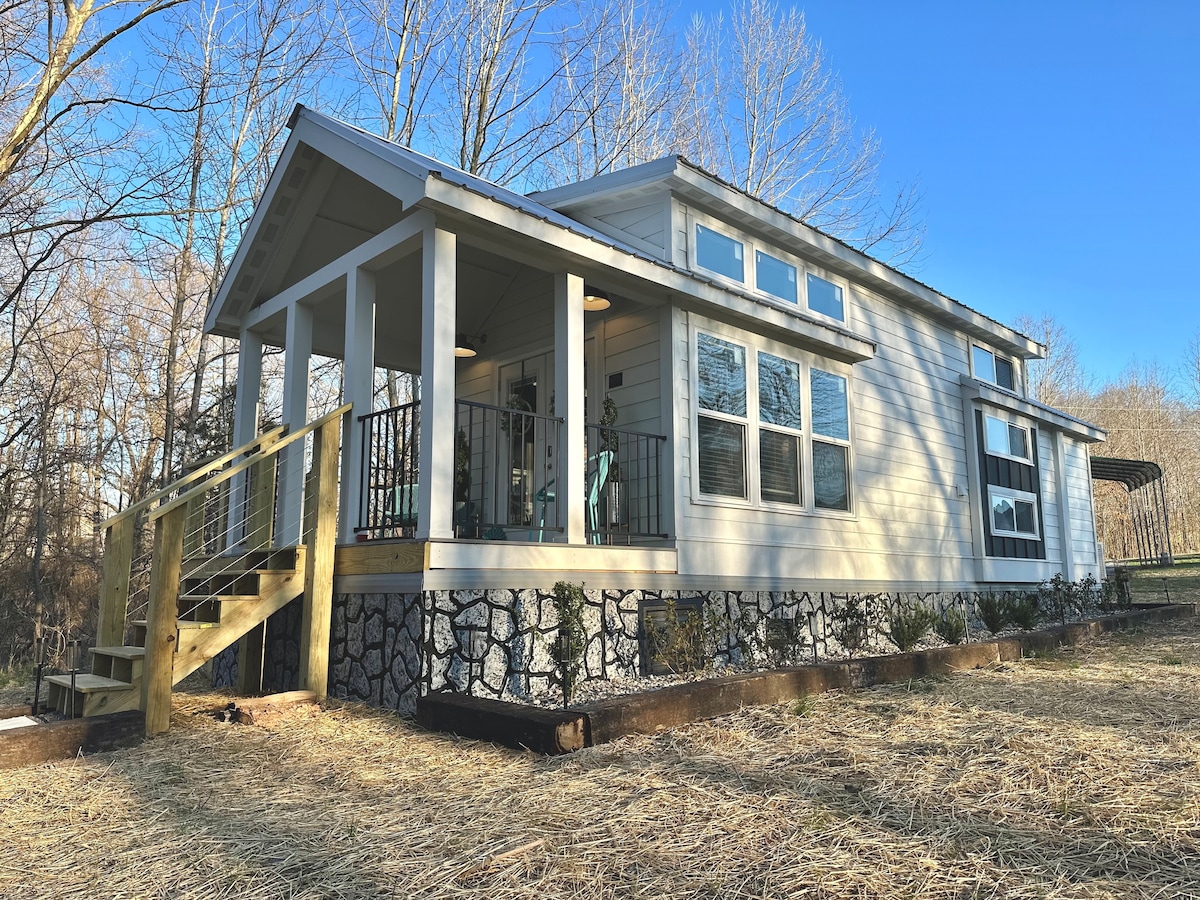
[(245, 421), (297, 358), (358, 374), (439, 299), (570, 404)]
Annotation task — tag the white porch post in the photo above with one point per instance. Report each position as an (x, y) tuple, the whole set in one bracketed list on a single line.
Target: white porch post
[(296, 364), (439, 298), (568, 378), (358, 373), (245, 419)]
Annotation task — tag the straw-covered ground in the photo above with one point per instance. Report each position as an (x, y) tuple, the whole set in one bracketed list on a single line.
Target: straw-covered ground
[(1074, 775)]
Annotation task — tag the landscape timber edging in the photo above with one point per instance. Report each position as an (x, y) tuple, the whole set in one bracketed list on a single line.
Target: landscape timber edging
[(557, 731), (34, 744)]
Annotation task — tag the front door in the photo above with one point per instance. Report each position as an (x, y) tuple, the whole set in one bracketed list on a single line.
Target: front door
[(529, 438)]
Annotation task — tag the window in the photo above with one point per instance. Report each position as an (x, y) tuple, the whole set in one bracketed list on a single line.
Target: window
[(993, 368), (1013, 513), (831, 461), (1002, 438), (778, 436), (721, 390), (757, 440), (720, 254), (774, 276), (825, 297)]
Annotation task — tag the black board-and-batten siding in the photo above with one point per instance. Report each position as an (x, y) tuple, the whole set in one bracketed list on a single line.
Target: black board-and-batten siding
[(1017, 476)]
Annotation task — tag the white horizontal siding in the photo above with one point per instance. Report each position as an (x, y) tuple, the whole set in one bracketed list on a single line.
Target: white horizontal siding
[(647, 223), (1079, 494), (631, 347)]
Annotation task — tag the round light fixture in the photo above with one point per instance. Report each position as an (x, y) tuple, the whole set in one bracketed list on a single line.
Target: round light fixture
[(594, 300), (463, 348)]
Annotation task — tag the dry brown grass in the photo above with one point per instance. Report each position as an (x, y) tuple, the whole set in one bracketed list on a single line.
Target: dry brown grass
[(1074, 775)]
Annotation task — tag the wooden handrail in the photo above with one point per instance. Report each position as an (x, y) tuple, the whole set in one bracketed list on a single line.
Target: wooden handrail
[(204, 467), (249, 461)]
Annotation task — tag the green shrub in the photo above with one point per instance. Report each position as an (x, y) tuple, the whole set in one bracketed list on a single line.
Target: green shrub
[(675, 642), (907, 625), (784, 640), (1024, 611), (567, 651), (951, 626), (993, 612), (850, 626), (1062, 598)]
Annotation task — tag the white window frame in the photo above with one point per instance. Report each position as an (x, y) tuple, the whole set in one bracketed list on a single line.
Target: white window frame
[(750, 247), (1007, 454), (995, 356), (1016, 497), (753, 345), (836, 282)]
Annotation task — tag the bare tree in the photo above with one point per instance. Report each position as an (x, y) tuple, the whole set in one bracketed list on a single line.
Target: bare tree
[(767, 113), (1059, 379)]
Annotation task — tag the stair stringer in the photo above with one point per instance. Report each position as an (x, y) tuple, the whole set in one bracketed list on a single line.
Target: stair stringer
[(276, 590)]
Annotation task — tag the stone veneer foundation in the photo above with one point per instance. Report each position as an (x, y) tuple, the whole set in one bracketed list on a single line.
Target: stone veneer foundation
[(388, 649)]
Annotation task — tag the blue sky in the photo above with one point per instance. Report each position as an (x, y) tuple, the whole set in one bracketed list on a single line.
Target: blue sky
[(1057, 146)]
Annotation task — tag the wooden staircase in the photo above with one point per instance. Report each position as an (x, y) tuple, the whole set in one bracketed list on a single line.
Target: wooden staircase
[(223, 599), (198, 603)]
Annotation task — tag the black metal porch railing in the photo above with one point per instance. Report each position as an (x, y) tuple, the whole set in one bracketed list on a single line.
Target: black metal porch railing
[(390, 474), (628, 506), (506, 477), (505, 469)]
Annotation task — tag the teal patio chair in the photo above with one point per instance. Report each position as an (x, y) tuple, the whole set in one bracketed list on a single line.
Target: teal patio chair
[(598, 465)]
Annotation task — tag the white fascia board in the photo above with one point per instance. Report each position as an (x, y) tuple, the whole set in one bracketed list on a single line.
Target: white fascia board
[(356, 152), (594, 189), (974, 389), (856, 265), (243, 250), (596, 253)]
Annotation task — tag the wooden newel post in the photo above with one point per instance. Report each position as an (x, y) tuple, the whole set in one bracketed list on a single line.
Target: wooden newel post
[(318, 562), (161, 627), (114, 582), (260, 511)]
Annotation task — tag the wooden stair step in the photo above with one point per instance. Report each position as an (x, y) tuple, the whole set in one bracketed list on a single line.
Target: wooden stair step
[(87, 683), (179, 623), (122, 652), (214, 598)]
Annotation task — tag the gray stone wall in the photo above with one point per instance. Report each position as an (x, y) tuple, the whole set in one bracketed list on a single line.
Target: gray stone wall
[(388, 649)]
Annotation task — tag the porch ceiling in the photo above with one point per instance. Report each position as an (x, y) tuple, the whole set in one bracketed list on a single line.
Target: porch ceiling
[(484, 279)]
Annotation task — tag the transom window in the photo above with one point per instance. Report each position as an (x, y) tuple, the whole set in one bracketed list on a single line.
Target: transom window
[(752, 443), (772, 273), (1013, 513), (1003, 438), (825, 297), (993, 368)]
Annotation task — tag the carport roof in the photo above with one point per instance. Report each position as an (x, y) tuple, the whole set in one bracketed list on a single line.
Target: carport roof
[(1133, 473)]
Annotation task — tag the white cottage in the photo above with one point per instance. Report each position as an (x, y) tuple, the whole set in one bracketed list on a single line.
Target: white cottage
[(648, 382)]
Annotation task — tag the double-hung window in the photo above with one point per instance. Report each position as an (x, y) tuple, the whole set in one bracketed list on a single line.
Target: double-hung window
[(780, 442), (760, 439), (831, 440), (721, 420)]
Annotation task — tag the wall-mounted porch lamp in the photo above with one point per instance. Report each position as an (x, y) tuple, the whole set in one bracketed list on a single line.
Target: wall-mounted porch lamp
[(594, 299), (464, 344)]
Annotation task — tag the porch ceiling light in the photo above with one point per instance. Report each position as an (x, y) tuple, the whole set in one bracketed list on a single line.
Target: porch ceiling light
[(464, 346), (594, 299)]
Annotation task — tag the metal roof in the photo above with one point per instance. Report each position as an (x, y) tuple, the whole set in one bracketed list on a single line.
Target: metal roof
[(1133, 473)]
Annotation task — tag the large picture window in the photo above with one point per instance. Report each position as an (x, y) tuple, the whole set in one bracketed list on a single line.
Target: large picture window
[(759, 438)]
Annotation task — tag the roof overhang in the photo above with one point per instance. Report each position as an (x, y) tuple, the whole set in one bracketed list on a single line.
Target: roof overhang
[(974, 389)]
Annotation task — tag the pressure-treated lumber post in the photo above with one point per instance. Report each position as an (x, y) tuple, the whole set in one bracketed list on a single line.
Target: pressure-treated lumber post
[(251, 656), (161, 627), (260, 512), (114, 583), (318, 560), (193, 538)]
